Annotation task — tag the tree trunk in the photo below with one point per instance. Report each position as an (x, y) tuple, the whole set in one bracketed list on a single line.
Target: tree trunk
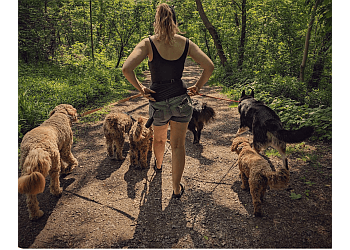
[(92, 40), (307, 40), (243, 32), (207, 44), (212, 32)]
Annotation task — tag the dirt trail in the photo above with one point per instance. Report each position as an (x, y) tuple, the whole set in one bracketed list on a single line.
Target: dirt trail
[(109, 204)]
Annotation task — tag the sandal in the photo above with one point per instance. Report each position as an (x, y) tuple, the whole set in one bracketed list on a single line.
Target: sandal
[(155, 167), (178, 196)]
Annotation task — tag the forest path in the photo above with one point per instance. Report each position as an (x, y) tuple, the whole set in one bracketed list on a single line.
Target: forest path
[(110, 204)]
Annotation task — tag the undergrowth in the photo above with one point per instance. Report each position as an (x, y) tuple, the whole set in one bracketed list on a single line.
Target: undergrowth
[(294, 103), (43, 86)]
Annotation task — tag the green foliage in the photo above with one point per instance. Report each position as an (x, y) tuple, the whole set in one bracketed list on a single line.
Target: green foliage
[(294, 104), (41, 87), (295, 196), (56, 36)]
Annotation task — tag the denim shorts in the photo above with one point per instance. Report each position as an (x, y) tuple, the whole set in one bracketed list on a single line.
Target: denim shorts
[(178, 109)]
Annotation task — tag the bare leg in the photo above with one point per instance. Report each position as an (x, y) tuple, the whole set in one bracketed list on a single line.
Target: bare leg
[(177, 142), (159, 140)]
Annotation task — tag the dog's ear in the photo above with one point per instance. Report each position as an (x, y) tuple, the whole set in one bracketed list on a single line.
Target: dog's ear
[(252, 94), (56, 109), (243, 93), (53, 111), (234, 146), (72, 112)]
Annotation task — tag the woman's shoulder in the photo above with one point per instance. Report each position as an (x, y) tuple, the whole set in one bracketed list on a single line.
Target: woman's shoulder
[(145, 42), (180, 38)]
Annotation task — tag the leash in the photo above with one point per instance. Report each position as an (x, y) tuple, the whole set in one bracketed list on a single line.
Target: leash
[(115, 103), (138, 95), (229, 100)]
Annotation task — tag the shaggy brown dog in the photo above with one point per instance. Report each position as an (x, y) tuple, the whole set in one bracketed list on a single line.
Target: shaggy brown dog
[(256, 172), (43, 151), (141, 140), (202, 114), (115, 126)]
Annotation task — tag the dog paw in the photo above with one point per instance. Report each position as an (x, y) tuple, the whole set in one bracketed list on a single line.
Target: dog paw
[(57, 191), (69, 169), (37, 215)]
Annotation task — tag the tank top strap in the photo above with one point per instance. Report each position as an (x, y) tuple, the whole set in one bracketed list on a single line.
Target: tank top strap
[(156, 53), (186, 48), (154, 49)]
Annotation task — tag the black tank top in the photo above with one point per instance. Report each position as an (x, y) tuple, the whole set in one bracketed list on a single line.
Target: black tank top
[(164, 70), (166, 74)]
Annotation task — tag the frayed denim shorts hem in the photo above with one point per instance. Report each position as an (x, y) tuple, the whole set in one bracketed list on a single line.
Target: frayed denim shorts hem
[(178, 109)]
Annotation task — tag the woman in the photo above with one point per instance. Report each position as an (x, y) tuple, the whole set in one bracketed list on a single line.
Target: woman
[(169, 101)]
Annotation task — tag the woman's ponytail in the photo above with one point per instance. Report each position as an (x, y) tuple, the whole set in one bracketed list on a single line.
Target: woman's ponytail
[(165, 25)]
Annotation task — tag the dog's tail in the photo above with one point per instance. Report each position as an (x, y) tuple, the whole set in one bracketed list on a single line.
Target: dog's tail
[(37, 165), (140, 126), (208, 113), (294, 136), (279, 179)]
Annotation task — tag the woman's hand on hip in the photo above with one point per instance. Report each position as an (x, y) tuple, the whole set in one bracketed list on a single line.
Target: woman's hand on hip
[(146, 92), (193, 90)]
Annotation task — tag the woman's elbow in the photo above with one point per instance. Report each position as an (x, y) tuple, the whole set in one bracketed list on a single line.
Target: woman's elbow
[(126, 70), (210, 67)]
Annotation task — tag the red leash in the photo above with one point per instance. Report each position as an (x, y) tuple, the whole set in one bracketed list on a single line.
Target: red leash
[(229, 100), (120, 101), (135, 96)]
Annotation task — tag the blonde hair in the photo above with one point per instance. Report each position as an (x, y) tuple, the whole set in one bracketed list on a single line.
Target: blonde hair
[(164, 26)]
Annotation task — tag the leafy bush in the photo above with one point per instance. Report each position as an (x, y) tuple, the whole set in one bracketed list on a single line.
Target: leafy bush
[(290, 99), (41, 87)]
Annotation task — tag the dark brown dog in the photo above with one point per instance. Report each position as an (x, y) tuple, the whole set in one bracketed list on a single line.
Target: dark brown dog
[(256, 173), (202, 114)]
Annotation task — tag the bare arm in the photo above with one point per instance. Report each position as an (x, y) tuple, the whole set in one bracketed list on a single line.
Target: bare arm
[(204, 61), (135, 58)]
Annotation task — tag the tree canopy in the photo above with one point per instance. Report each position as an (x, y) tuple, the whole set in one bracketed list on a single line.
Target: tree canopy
[(280, 46)]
